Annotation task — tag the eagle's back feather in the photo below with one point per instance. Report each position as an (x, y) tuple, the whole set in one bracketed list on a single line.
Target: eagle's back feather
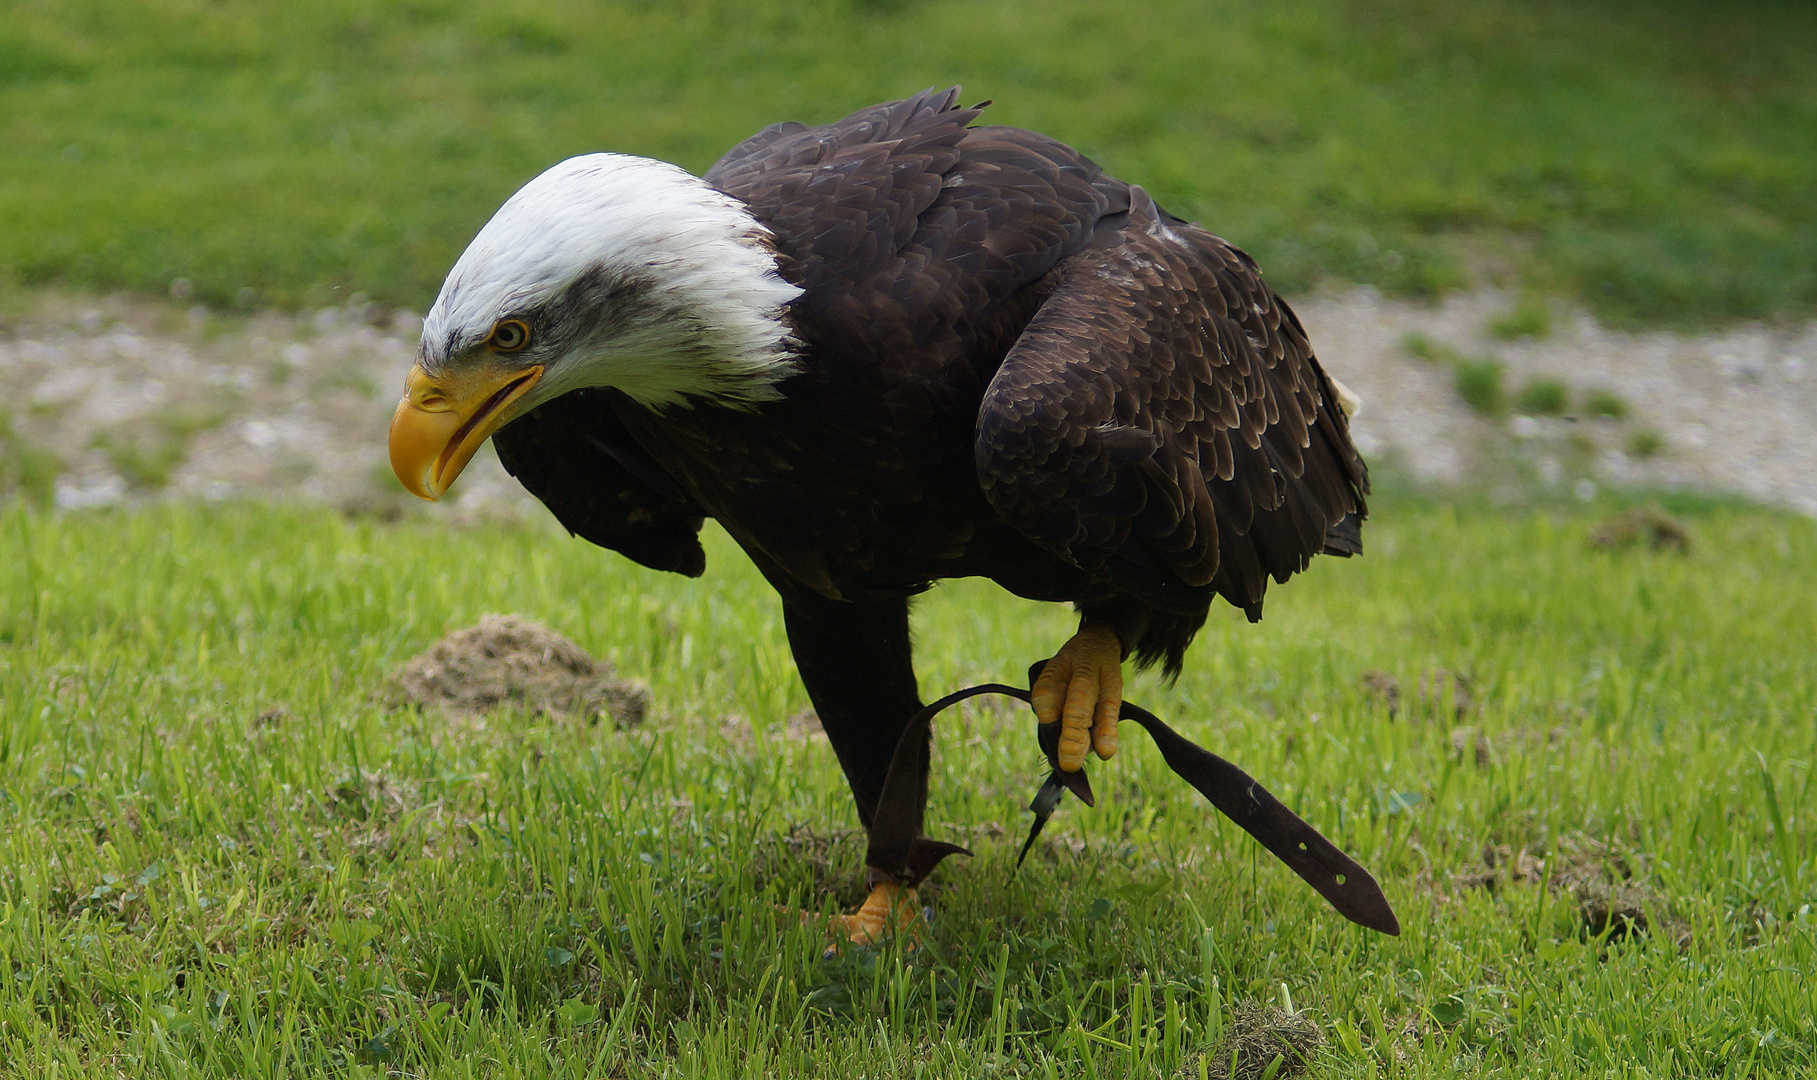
[(1012, 365)]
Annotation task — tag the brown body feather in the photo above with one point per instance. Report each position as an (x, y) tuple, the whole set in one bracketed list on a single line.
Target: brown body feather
[(1013, 366)]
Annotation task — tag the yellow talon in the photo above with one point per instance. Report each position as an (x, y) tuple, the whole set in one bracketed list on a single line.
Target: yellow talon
[(889, 908), (1081, 688)]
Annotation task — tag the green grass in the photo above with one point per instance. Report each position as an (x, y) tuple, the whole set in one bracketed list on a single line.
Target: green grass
[(1420, 347), (1650, 158), (1527, 319), (219, 857), (1479, 383), (1645, 443), (1606, 404), (1543, 397), (24, 468)]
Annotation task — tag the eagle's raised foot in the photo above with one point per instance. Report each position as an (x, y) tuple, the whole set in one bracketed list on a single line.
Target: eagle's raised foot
[(1081, 689)]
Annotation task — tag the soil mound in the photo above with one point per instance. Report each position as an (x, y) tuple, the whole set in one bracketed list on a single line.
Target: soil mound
[(511, 661), (1643, 525)]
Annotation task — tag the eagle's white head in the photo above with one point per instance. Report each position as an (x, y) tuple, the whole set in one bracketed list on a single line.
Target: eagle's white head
[(607, 270)]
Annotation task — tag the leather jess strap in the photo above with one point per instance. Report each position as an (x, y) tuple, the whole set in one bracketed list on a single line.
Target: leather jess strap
[(897, 850)]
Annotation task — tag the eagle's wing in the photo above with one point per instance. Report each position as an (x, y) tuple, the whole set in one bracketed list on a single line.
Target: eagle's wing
[(914, 239), (1162, 423), (906, 228), (574, 455)]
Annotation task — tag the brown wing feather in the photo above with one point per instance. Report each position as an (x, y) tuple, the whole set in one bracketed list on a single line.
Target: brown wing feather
[(1163, 423), (905, 227)]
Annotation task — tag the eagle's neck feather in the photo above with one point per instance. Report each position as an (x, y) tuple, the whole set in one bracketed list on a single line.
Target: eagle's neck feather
[(657, 284)]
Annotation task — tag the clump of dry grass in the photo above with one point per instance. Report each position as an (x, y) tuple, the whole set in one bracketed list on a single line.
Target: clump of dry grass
[(508, 660), (1259, 1033)]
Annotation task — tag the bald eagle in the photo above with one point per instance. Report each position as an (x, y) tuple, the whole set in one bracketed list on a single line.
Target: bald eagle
[(883, 352)]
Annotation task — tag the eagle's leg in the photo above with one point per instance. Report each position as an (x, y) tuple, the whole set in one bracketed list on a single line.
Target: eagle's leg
[(855, 660), (1081, 689)]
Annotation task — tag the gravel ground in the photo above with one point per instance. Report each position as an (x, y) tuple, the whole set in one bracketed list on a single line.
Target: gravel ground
[(126, 401), (1730, 412), (115, 400)]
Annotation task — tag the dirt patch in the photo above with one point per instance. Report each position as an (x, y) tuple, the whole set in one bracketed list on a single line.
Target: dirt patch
[(803, 727), (1447, 691), (1383, 687), (1439, 693), (369, 795), (1611, 888), (1474, 743), (833, 860), (1256, 1036), (1502, 865), (511, 661), (1642, 525)]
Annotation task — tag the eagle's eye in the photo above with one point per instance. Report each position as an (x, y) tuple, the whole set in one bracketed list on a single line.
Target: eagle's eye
[(509, 335)]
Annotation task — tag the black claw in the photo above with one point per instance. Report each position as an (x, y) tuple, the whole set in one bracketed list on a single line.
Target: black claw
[(1045, 802)]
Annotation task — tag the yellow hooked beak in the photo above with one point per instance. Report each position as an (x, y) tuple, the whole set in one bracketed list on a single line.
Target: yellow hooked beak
[(443, 420)]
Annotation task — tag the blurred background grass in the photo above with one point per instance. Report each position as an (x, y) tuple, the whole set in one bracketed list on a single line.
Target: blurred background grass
[(1653, 160)]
